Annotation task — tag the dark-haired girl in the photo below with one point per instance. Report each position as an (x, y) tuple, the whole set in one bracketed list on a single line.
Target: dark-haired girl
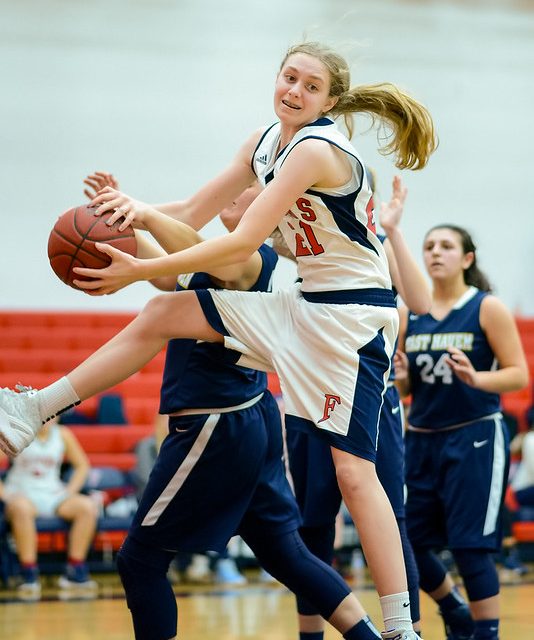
[(457, 359)]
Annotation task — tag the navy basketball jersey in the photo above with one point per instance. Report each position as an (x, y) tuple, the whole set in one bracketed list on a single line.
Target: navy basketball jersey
[(441, 399), (201, 374)]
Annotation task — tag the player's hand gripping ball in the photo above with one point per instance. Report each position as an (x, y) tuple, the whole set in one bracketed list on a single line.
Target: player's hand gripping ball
[(72, 242)]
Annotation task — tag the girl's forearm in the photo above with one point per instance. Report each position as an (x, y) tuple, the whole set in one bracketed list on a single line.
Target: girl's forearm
[(415, 290), (503, 380), (169, 233), (77, 480), (208, 255)]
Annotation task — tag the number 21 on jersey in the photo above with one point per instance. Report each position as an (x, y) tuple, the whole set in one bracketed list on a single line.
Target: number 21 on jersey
[(306, 243)]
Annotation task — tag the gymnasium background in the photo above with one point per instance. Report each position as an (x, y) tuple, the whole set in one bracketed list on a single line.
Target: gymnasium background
[(162, 93)]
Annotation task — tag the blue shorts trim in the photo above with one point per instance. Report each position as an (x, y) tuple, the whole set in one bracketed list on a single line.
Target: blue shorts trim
[(372, 296), (333, 439), (210, 311)]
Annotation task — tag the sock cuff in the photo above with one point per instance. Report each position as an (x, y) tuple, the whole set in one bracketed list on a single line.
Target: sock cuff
[(56, 398), (396, 611)]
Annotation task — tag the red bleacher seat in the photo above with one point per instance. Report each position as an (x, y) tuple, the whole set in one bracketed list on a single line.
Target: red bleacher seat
[(142, 385), (55, 337), (110, 438), (523, 531), (141, 410), (42, 360), (112, 445), (61, 361), (78, 319), (525, 325)]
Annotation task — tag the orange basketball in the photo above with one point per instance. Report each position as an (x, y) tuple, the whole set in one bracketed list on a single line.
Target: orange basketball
[(72, 242)]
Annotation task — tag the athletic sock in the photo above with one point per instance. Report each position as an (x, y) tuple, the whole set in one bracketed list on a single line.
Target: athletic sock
[(396, 611), (311, 635), (29, 572), (56, 398), (363, 630), (451, 601), (486, 630)]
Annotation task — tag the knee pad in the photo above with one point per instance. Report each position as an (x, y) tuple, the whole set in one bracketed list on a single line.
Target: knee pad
[(432, 571), (149, 595), (317, 586), (320, 541), (479, 573)]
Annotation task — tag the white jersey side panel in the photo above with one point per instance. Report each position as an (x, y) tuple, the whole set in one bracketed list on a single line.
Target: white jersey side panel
[(330, 231)]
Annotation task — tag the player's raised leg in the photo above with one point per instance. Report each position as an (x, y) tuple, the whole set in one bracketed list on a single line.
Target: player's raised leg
[(173, 315)]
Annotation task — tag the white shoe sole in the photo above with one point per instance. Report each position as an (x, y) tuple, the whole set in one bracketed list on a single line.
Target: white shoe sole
[(6, 445)]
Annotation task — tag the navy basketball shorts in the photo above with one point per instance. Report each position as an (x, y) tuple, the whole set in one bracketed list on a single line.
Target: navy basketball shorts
[(332, 360), (390, 452), (204, 479), (456, 481), (313, 475), (272, 509)]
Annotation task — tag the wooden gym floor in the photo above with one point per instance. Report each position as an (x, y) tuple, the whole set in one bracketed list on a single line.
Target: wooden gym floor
[(254, 611)]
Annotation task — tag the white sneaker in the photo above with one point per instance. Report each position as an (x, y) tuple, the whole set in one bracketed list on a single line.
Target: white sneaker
[(71, 589), (65, 583), (19, 420), (226, 572), (199, 570), (400, 634), (265, 577), (29, 591)]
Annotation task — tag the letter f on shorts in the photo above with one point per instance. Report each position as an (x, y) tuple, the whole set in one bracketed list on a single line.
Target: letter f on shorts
[(329, 405)]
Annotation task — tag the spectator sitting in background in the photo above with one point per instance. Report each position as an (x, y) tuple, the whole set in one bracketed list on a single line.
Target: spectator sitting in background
[(520, 494), (523, 480), (32, 488)]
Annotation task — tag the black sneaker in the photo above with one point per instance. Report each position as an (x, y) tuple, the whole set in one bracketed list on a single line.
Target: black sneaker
[(458, 623)]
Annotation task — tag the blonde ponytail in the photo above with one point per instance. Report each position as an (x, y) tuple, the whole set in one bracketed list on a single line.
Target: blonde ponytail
[(412, 137)]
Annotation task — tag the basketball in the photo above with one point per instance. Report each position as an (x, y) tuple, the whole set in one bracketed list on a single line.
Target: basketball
[(72, 242)]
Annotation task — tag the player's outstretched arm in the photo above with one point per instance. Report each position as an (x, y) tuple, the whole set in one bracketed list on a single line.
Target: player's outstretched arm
[(306, 166), (407, 278)]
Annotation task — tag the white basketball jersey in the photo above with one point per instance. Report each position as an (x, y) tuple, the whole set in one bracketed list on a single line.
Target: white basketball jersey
[(38, 466), (330, 231)]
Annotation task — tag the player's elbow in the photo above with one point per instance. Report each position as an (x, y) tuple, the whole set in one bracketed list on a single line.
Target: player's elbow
[(421, 306), (522, 377), (164, 283), (243, 247)]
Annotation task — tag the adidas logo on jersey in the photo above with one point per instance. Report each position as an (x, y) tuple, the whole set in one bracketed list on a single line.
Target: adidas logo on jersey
[(262, 159)]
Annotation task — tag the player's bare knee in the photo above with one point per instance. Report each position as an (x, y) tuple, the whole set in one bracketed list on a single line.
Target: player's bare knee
[(352, 478), (154, 308)]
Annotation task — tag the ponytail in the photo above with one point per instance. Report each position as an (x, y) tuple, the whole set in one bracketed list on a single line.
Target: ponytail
[(412, 138)]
